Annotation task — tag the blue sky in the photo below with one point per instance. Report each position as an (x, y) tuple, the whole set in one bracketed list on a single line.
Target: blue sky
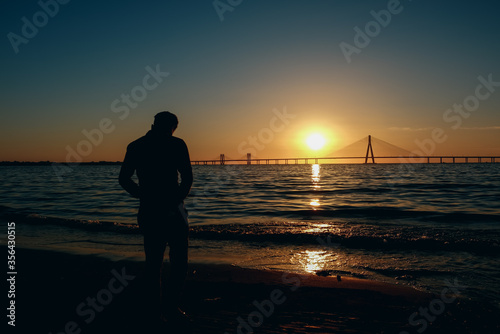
[(226, 77)]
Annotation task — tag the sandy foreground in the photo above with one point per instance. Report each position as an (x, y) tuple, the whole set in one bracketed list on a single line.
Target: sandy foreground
[(58, 292)]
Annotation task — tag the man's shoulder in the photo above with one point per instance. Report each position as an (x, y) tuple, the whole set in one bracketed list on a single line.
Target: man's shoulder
[(140, 143), (178, 141), (136, 143)]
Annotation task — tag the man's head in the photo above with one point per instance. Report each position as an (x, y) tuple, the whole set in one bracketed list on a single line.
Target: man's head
[(165, 123)]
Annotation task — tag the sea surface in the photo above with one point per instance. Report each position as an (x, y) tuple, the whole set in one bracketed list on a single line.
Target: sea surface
[(417, 224)]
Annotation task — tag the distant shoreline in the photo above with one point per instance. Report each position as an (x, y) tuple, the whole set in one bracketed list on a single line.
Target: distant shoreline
[(49, 163)]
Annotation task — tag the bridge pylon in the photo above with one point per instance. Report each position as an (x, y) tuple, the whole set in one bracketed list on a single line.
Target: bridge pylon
[(369, 149)]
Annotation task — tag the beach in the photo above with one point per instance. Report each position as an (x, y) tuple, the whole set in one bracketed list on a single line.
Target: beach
[(55, 291)]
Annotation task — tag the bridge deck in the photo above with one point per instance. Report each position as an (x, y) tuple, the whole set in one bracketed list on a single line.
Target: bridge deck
[(396, 159)]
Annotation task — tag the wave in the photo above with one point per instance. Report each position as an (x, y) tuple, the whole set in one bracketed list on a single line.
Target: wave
[(398, 274), (406, 273), (393, 236), (100, 242), (374, 241), (375, 212)]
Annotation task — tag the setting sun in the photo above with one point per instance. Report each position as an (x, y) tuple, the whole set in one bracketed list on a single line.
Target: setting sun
[(316, 141)]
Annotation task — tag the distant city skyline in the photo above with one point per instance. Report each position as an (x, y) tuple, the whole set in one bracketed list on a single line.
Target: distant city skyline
[(83, 79)]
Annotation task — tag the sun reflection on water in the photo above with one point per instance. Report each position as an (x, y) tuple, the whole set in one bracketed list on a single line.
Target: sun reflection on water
[(315, 202), (312, 261), (315, 228), (315, 177)]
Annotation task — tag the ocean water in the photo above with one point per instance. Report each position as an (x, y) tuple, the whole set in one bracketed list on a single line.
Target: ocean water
[(418, 225)]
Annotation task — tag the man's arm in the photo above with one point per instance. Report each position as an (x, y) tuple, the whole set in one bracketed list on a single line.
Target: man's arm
[(186, 172), (126, 173)]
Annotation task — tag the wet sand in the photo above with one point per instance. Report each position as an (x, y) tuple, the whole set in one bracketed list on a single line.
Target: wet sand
[(65, 293)]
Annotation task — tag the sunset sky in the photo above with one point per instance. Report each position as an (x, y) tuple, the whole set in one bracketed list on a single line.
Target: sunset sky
[(271, 70)]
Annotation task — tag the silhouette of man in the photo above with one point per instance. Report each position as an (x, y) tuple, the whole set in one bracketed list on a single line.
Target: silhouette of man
[(157, 158)]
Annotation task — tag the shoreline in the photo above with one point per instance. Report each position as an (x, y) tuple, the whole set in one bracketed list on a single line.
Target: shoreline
[(118, 247), (51, 285)]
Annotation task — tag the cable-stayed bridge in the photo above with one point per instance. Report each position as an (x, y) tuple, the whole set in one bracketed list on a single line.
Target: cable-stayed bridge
[(366, 150)]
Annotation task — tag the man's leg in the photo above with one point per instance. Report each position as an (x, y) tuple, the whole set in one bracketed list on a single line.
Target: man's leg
[(178, 243), (154, 248)]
